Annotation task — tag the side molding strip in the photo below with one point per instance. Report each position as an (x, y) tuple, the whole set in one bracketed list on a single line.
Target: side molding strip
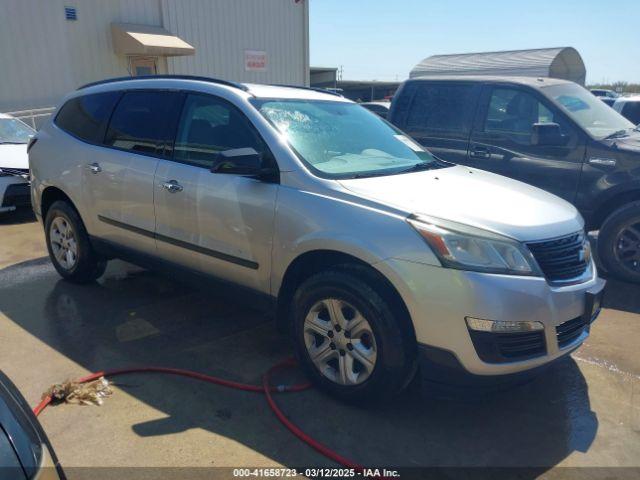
[(182, 244)]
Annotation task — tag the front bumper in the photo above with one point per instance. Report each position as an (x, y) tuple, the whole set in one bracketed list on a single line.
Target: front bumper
[(439, 299), (14, 192)]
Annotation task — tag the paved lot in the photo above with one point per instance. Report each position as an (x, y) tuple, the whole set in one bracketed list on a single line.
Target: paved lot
[(585, 411)]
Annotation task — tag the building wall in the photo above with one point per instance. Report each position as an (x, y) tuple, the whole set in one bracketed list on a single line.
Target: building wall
[(43, 56)]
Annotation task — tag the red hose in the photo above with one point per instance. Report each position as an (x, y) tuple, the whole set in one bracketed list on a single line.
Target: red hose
[(265, 388)]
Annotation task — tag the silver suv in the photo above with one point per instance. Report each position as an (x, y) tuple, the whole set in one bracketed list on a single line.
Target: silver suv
[(379, 258)]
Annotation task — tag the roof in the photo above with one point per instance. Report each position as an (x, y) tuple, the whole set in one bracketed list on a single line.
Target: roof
[(536, 82), (381, 103), (292, 92), (322, 69), (631, 98), (255, 90), (558, 62), (132, 39)]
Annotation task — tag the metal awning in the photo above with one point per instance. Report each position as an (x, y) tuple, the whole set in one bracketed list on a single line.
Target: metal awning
[(132, 39)]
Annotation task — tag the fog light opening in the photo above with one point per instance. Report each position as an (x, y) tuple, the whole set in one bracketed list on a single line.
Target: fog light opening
[(498, 326)]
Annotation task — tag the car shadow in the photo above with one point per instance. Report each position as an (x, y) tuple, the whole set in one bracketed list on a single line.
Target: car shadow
[(133, 317)]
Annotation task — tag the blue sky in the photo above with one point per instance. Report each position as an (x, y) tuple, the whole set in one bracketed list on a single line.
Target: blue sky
[(383, 39)]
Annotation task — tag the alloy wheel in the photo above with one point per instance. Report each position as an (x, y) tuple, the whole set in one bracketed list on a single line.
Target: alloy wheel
[(63, 242), (340, 342), (627, 246)]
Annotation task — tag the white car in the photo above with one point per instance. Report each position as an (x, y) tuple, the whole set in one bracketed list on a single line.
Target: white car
[(629, 107), (14, 163)]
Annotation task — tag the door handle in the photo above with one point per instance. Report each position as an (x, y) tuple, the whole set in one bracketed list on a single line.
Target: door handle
[(94, 167), (479, 152), (602, 161), (172, 186)]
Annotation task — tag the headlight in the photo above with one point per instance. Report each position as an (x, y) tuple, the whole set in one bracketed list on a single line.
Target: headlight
[(469, 248)]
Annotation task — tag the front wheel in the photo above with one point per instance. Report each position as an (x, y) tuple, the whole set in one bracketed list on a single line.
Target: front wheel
[(350, 338), (619, 243), (69, 247)]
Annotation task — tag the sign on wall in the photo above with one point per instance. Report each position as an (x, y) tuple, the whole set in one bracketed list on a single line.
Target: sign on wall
[(255, 61)]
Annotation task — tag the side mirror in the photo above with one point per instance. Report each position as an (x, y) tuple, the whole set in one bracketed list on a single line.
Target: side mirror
[(546, 134), (239, 161)]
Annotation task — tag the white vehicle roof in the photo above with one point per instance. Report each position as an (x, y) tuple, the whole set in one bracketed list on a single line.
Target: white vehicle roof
[(292, 92), (633, 98)]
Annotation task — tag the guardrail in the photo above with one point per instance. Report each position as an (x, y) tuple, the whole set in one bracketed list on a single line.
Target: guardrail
[(33, 116)]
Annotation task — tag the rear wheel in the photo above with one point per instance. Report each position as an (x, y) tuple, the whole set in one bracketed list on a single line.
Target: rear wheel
[(619, 243), (69, 247), (350, 338)]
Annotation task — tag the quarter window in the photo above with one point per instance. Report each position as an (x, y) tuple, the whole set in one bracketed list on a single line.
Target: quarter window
[(441, 108), (144, 122), (86, 117), (208, 126)]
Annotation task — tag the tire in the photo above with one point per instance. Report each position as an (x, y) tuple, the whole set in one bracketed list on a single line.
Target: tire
[(379, 358), (619, 243), (65, 232)]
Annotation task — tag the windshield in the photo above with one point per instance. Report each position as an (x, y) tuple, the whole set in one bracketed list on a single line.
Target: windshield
[(344, 140), (13, 130), (588, 111)]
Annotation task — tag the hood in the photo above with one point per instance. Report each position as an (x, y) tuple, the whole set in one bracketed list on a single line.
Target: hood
[(476, 198), (14, 156), (628, 143)]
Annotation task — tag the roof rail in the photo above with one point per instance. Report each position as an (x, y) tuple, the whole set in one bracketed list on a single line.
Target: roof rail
[(174, 77), (315, 89)]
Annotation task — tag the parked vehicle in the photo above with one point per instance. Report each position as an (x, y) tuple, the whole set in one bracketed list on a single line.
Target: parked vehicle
[(629, 107), (14, 163), (380, 108), (604, 93), (550, 133), (25, 450), (377, 256)]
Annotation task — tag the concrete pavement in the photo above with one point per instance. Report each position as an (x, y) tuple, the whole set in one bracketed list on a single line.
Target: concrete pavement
[(583, 412)]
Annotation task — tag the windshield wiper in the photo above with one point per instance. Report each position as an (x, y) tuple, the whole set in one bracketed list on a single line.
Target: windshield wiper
[(419, 167), (368, 175), (617, 134), (12, 143)]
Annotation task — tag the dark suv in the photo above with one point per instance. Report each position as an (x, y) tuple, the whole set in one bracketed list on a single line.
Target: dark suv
[(550, 133)]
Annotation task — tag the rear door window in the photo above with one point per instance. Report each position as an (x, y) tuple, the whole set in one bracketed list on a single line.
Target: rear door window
[(441, 108), (86, 117), (144, 122)]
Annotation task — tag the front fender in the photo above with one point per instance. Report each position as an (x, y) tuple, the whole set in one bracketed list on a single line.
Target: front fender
[(307, 222)]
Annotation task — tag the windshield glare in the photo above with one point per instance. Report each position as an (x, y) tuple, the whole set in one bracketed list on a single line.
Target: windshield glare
[(13, 130), (587, 110), (343, 140)]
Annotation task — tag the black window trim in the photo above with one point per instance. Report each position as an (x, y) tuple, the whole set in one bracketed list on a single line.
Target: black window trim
[(185, 93), (548, 103), (485, 98), (160, 156), (115, 106), (55, 119), (267, 154), (444, 132)]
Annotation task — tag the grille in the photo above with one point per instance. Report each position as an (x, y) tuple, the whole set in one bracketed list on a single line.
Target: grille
[(14, 171), (505, 347), (17, 195), (569, 331), (562, 258)]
